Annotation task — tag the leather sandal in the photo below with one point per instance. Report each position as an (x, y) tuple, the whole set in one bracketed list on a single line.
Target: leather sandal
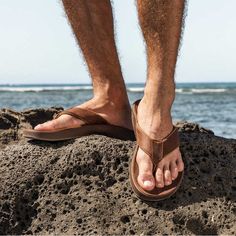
[(157, 150), (93, 124)]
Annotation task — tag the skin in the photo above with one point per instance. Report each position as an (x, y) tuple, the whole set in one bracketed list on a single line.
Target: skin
[(92, 24), (161, 22)]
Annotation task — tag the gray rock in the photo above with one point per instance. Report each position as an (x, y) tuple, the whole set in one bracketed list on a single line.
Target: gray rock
[(81, 186)]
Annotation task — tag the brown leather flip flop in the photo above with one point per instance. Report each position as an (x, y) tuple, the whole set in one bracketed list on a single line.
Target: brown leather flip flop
[(156, 149), (93, 124)]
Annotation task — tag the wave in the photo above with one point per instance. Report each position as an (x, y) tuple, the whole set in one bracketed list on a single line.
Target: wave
[(210, 90), (188, 90), (135, 89), (45, 89), (89, 88)]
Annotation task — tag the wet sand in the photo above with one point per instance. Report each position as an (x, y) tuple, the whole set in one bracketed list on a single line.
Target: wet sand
[(81, 186)]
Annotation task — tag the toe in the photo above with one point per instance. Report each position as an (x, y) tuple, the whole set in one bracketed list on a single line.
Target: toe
[(167, 176), (174, 170), (145, 177), (146, 181), (159, 177), (38, 127), (44, 126), (180, 164), (64, 121)]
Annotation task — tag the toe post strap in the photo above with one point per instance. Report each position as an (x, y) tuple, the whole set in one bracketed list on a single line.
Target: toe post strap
[(162, 148)]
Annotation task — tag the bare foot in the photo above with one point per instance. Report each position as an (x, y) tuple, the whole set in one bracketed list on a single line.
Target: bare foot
[(116, 114), (157, 127)]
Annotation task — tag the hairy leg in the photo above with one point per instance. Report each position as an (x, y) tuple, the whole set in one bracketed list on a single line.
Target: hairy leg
[(92, 24), (161, 24)]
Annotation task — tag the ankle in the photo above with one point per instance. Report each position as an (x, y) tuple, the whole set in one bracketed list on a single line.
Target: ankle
[(157, 107), (159, 95), (115, 96), (108, 85), (155, 121), (106, 104)]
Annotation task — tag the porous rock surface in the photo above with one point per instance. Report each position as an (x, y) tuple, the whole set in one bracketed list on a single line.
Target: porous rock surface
[(81, 186)]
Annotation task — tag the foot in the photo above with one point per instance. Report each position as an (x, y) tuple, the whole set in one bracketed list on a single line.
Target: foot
[(157, 127), (116, 114)]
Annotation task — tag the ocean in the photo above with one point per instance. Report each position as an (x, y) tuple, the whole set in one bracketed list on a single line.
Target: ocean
[(212, 105)]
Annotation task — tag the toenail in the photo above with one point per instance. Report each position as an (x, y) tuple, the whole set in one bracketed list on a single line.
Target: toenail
[(147, 183), (160, 185)]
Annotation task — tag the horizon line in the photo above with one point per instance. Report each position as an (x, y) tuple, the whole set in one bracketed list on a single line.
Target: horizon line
[(184, 82)]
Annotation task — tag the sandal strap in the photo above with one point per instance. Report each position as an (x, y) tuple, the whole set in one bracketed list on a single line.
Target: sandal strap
[(87, 116), (156, 149)]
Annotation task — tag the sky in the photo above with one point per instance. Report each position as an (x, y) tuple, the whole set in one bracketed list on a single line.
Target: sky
[(37, 44)]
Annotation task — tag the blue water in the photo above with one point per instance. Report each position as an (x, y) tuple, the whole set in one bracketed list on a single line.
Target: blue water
[(212, 105)]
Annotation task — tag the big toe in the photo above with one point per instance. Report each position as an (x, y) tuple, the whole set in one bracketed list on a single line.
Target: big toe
[(145, 177), (44, 126), (146, 181)]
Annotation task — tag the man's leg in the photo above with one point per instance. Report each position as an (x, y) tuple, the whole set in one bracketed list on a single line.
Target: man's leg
[(92, 23), (161, 22)]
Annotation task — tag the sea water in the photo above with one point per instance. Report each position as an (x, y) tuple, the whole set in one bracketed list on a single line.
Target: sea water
[(212, 105)]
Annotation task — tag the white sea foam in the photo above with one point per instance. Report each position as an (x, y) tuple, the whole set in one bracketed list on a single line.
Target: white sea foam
[(184, 90), (136, 89), (206, 90), (209, 90), (89, 87), (45, 88)]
